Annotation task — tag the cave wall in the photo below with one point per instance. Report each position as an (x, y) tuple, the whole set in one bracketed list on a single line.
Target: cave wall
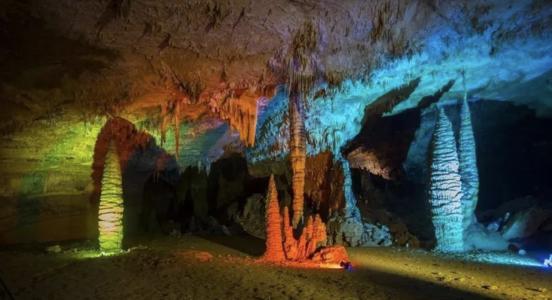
[(512, 143)]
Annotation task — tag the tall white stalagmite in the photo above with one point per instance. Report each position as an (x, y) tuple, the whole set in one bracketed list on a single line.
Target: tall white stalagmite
[(445, 188), (468, 165), (110, 215)]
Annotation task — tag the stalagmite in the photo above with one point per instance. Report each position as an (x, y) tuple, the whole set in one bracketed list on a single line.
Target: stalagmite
[(468, 165), (298, 158), (110, 215), (318, 235), (274, 250), (445, 188), (290, 244)]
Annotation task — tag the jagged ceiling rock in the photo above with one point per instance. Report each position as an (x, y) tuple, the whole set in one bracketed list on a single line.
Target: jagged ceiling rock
[(161, 64)]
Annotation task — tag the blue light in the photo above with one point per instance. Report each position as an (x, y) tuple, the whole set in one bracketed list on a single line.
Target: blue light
[(548, 261)]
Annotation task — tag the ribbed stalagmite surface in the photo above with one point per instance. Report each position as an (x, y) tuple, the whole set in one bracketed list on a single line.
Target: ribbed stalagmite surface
[(110, 215), (274, 250), (445, 188), (298, 158), (468, 165)]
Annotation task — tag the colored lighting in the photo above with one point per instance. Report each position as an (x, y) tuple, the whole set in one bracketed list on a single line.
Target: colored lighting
[(110, 215), (548, 262)]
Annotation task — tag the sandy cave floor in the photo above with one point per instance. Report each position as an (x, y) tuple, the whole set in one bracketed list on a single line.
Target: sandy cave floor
[(225, 268)]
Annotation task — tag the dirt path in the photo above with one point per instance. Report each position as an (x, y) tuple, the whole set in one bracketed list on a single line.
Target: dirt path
[(197, 268)]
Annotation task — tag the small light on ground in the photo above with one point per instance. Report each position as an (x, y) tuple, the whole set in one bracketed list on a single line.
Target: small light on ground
[(548, 262)]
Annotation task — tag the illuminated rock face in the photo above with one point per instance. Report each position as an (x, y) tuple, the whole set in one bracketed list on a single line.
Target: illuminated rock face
[(274, 250), (468, 166), (312, 237), (445, 188), (313, 234), (110, 215)]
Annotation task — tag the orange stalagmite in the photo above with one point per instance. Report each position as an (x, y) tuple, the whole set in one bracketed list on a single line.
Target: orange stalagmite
[(274, 250), (308, 248), (318, 236), (290, 243)]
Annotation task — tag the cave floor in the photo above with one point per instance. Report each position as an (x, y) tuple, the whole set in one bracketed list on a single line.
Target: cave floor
[(225, 268)]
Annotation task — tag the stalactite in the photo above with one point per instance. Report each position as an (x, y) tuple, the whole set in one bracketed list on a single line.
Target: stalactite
[(468, 165), (298, 159), (274, 250), (241, 113), (110, 215), (445, 188), (176, 127)]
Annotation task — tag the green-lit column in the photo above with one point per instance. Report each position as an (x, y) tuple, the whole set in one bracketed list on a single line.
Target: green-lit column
[(110, 215)]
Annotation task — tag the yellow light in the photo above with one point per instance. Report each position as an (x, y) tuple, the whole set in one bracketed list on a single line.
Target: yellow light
[(110, 214)]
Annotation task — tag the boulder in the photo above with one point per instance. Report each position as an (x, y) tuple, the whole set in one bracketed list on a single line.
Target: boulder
[(331, 255), (525, 223), (355, 233)]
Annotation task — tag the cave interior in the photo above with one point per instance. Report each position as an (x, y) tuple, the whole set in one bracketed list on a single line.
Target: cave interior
[(283, 149)]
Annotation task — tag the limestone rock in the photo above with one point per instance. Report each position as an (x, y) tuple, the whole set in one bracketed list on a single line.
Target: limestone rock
[(252, 218), (351, 232), (331, 255), (478, 237), (524, 223)]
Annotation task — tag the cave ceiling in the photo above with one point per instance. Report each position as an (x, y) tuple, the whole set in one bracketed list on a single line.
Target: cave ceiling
[(211, 75)]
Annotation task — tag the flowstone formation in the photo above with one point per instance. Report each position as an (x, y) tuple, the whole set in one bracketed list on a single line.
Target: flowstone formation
[(468, 165), (445, 188), (110, 214)]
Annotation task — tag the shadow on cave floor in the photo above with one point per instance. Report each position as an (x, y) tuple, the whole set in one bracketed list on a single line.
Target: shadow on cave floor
[(246, 244), (194, 267)]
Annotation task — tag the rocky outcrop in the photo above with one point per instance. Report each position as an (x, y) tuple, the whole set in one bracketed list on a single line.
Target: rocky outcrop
[(445, 188), (252, 219), (525, 223), (354, 233), (110, 214), (468, 166), (331, 255), (382, 144)]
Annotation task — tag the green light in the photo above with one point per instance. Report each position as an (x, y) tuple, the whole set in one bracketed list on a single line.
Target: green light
[(110, 215)]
